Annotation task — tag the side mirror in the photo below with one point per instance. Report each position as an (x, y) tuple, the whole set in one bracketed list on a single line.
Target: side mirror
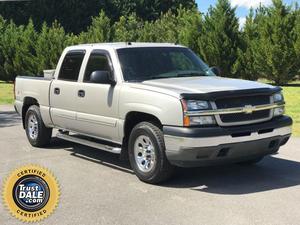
[(216, 70), (102, 77)]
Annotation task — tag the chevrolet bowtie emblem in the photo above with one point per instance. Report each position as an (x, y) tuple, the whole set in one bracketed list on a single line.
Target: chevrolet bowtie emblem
[(248, 109)]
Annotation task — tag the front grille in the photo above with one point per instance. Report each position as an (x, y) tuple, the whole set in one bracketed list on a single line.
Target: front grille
[(235, 102), (242, 117), (225, 103)]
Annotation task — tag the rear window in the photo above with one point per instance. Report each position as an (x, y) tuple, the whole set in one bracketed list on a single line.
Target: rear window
[(71, 66)]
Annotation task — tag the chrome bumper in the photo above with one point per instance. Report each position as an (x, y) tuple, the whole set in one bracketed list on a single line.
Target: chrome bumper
[(174, 143)]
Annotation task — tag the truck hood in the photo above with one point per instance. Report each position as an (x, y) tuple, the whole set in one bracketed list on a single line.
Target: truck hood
[(201, 85)]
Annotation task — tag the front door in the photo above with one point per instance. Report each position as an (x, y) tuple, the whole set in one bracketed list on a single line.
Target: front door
[(97, 113)]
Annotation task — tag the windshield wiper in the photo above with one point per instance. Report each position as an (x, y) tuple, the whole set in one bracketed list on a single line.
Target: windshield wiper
[(159, 77), (178, 74), (191, 74)]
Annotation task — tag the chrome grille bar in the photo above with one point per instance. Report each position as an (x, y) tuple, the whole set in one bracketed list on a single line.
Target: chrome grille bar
[(234, 110)]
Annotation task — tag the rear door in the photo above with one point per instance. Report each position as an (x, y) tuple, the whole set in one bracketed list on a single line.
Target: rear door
[(63, 91)]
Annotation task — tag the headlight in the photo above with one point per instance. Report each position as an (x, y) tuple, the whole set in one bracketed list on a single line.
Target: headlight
[(193, 105), (278, 97), (196, 105)]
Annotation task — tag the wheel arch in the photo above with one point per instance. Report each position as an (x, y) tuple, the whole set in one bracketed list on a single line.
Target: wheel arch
[(131, 120)]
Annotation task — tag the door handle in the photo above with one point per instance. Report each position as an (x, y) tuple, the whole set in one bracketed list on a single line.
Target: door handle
[(81, 93), (56, 91)]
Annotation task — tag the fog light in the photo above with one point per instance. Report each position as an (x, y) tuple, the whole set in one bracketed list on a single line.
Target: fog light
[(279, 111)]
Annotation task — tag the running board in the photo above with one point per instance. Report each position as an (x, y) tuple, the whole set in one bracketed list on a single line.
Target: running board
[(93, 144)]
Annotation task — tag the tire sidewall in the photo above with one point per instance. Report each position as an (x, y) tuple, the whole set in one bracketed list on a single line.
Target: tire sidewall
[(159, 151)]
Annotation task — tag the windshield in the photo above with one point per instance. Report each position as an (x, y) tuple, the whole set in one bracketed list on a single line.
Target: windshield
[(147, 63)]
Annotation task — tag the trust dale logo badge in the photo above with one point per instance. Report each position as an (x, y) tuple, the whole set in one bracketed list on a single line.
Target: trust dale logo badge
[(31, 193)]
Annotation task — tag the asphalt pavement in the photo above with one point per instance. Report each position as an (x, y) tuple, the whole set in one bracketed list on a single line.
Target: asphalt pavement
[(98, 188)]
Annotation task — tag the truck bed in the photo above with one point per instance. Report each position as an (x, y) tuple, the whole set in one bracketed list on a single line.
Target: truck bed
[(38, 88)]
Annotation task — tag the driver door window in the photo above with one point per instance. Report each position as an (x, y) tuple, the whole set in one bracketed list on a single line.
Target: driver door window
[(97, 61)]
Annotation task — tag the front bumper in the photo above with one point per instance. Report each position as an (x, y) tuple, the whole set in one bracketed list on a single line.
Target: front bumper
[(192, 147)]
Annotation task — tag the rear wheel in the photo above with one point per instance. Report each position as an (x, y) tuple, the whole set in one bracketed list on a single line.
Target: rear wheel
[(147, 156), (37, 133)]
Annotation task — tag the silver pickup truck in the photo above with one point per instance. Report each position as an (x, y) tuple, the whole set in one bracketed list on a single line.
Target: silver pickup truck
[(158, 104)]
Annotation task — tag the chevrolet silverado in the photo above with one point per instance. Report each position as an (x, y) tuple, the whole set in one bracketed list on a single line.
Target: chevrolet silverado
[(159, 105)]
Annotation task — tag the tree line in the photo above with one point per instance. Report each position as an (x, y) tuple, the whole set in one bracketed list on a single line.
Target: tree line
[(75, 15), (268, 46)]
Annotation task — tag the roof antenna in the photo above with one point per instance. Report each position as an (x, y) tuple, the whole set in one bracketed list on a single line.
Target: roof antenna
[(129, 43)]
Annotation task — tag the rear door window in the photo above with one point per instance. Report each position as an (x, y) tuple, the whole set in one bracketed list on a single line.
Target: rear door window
[(71, 66)]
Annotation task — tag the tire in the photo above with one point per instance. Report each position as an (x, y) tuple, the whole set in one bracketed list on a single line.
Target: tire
[(37, 133), (146, 143), (252, 161)]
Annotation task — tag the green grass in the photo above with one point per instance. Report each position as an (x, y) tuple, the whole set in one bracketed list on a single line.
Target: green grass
[(292, 98), (291, 93), (6, 93)]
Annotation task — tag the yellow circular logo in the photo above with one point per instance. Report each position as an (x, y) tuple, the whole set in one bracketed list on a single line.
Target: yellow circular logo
[(31, 193)]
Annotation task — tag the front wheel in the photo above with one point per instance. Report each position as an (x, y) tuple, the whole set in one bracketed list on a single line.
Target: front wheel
[(37, 133), (147, 153)]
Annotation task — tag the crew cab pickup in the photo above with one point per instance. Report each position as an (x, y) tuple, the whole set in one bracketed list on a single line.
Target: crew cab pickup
[(157, 104)]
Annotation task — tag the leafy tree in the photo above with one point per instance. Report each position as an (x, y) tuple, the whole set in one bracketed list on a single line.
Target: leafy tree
[(9, 44), (268, 46), (2, 59), (297, 36), (18, 50), (50, 44), (245, 65), (148, 32), (127, 28), (99, 31), (76, 15), (148, 10), (25, 60), (166, 29), (72, 39), (220, 39), (189, 26), (275, 52), (182, 27)]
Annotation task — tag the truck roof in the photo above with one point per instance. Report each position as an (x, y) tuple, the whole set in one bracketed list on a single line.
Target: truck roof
[(118, 45)]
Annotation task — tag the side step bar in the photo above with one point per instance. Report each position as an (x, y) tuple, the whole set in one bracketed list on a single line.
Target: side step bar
[(94, 144)]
